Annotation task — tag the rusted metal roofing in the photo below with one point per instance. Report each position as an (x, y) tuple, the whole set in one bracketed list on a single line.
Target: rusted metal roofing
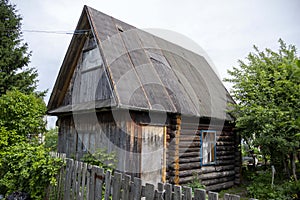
[(145, 72)]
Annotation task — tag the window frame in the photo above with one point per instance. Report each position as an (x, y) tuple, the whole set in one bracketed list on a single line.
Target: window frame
[(215, 147)]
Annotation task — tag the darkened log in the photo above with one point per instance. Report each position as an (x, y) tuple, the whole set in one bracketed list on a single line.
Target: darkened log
[(193, 138), (225, 148), (220, 186), (225, 143), (226, 157), (225, 162), (223, 153), (189, 160), (217, 180), (186, 166), (214, 175), (209, 169)]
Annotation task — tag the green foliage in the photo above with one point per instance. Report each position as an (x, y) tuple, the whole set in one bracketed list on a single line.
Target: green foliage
[(51, 139), (101, 158), (266, 89), (261, 188), (24, 167), (22, 113), (14, 55)]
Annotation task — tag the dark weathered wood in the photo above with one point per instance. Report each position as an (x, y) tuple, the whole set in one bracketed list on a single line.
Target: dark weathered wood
[(137, 190), (213, 195), (107, 185), (126, 187), (99, 182), (231, 197), (177, 193), (168, 191), (200, 194), (116, 185), (149, 192), (187, 191)]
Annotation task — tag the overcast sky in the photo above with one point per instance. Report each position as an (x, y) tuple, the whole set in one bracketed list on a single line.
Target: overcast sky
[(226, 30)]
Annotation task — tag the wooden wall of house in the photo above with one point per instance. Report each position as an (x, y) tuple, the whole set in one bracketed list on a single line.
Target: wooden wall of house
[(183, 155), (123, 133)]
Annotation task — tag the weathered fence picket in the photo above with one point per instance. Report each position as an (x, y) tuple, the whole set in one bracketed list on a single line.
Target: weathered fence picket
[(80, 181)]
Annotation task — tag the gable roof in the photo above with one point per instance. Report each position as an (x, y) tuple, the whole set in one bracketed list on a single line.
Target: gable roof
[(143, 72)]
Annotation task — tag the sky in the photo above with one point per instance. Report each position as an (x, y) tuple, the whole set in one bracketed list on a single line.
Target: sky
[(226, 30)]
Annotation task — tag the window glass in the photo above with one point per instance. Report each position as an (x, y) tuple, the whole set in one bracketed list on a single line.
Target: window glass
[(208, 147)]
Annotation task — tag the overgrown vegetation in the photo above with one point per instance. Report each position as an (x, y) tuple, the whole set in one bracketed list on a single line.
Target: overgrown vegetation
[(51, 139), (267, 111), (25, 165), (266, 89)]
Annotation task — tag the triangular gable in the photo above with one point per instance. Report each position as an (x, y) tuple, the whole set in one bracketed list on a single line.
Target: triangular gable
[(142, 72)]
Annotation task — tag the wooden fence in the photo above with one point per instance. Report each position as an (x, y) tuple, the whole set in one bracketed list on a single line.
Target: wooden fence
[(80, 181)]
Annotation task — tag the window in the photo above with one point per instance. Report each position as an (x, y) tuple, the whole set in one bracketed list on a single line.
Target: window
[(208, 147)]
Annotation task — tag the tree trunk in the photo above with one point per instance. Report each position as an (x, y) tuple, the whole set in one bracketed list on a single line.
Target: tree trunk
[(286, 167), (293, 163)]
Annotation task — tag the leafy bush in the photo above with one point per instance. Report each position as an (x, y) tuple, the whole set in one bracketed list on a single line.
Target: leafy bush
[(29, 168), (22, 113), (101, 158), (51, 139), (261, 188)]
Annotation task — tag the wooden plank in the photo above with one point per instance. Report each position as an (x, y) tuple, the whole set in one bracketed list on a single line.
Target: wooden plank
[(187, 193), (137, 190), (116, 185), (74, 180), (126, 187), (70, 166), (79, 181), (92, 183), (107, 185), (177, 193), (83, 183), (149, 191), (88, 178), (168, 191), (200, 194), (159, 192), (213, 196), (231, 197), (99, 182)]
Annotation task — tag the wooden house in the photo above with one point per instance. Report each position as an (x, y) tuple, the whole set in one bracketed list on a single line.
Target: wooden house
[(160, 107)]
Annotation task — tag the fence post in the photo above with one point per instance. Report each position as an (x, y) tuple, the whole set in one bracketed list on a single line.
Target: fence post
[(231, 197), (187, 191), (168, 191), (99, 173), (159, 192), (126, 187), (213, 196), (177, 193), (200, 194), (107, 185), (137, 189), (116, 189), (84, 194), (149, 191)]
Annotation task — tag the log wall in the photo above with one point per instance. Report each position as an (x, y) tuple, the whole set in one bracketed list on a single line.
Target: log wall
[(123, 133), (183, 154)]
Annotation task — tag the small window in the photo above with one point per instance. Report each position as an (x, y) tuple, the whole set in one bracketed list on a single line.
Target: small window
[(208, 147)]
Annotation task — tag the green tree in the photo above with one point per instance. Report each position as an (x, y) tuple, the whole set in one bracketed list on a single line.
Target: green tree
[(14, 55), (22, 113), (266, 89), (51, 139)]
